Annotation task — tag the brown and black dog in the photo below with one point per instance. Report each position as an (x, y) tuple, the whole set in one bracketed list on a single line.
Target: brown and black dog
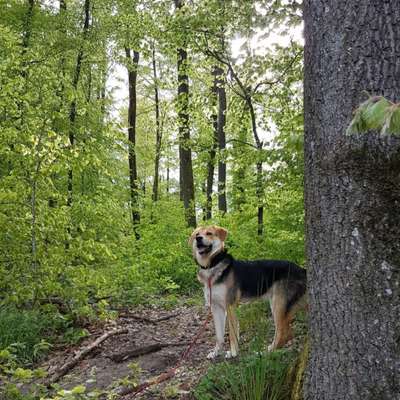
[(283, 282)]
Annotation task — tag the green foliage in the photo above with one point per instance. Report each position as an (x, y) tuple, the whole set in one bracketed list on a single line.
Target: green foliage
[(254, 377), (68, 253), (23, 332), (12, 377), (376, 113)]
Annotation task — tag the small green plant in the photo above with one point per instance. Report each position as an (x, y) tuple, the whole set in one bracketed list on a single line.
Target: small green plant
[(254, 377), (74, 335), (12, 376)]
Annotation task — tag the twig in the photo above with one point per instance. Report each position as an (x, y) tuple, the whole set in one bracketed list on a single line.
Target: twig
[(142, 350), (81, 354)]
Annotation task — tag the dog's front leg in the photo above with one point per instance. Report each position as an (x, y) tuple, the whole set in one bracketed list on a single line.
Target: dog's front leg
[(206, 291), (219, 316), (233, 326)]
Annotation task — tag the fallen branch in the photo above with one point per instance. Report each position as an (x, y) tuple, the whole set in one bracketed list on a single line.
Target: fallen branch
[(127, 314), (81, 354), (142, 350)]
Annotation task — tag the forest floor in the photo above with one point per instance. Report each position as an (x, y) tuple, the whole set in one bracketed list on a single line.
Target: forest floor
[(145, 326), (151, 326)]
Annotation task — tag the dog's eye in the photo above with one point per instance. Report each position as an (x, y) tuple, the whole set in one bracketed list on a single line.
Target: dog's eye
[(208, 233)]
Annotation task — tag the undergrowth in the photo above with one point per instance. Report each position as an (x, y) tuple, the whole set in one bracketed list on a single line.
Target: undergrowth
[(253, 377), (27, 332), (256, 374)]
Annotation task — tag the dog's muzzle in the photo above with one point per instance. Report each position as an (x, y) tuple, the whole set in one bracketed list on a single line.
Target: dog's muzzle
[(202, 248)]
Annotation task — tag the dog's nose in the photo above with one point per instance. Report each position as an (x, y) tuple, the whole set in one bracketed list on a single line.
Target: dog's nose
[(199, 239)]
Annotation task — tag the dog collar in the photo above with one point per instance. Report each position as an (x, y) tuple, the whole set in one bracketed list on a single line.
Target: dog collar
[(222, 256)]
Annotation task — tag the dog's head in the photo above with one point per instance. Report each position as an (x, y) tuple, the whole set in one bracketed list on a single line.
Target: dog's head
[(206, 242)]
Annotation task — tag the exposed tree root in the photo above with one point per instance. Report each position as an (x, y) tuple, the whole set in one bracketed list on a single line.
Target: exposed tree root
[(127, 314), (139, 351)]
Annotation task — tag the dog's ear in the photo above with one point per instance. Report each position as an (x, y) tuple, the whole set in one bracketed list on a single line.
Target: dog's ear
[(193, 235), (221, 232)]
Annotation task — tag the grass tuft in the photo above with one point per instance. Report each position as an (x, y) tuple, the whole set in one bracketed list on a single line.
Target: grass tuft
[(254, 377)]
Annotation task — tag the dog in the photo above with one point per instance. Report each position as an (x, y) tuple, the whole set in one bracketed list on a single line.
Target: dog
[(229, 280)]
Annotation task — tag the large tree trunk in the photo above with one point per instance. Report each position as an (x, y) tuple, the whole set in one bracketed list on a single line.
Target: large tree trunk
[(221, 142), (352, 202), (185, 153), (133, 63)]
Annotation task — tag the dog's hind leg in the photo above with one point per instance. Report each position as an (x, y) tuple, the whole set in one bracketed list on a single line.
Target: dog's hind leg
[(233, 326), (219, 316), (282, 320)]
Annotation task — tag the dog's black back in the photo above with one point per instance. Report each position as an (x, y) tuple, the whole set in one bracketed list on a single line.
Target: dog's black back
[(256, 278)]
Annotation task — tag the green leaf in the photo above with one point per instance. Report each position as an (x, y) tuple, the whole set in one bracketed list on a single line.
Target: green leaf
[(78, 389), (375, 112), (392, 124)]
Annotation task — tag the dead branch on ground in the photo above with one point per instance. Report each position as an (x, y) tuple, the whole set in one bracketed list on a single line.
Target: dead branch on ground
[(55, 377)]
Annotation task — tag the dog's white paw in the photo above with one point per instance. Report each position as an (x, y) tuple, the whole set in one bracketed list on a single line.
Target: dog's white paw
[(230, 354), (215, 353), (271, 347), (212, 354)]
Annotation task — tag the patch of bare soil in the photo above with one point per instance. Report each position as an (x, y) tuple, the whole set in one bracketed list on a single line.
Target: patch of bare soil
[(154, 339)]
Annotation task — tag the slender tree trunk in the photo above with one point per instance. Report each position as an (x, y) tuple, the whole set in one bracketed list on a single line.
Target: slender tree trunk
[(260, 195), (61, 27), (222, 207), (185, 153), (133, 63), (239, 173), (27, 29), (168, 179), (158, 130), (213, 149), (73, 106), (352, 190), (259, 171)]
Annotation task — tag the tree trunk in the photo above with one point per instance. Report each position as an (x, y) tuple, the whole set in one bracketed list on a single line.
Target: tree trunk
[(133, 63), (352, 195), (259, 170), (221, 142), (260, 199), (213, 149), (185, 153), (158, 130), (72, 109), (27, 32)]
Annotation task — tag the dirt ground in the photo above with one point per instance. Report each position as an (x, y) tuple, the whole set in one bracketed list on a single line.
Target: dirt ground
[(98, 371), (175, 328)]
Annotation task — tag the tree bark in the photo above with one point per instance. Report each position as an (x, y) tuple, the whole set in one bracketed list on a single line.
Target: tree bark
[(213, 148), (27, 33), (259, 169), (185, 153), (352, 197), (73, 106), (222, 207), (158, 130), (133, 63)]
